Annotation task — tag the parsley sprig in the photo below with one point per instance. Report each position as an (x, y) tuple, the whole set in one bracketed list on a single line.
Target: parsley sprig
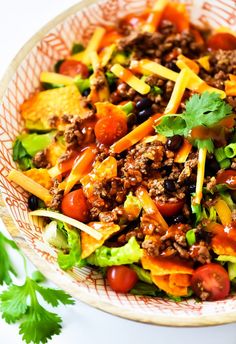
[(204, 110), (24, 302)]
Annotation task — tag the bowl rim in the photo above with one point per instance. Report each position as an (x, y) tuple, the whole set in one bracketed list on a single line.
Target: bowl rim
[(52, 273)]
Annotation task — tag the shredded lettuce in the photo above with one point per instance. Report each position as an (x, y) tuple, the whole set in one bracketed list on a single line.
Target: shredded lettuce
[(72, 257), (231, 264), (55, 236), (142, 288), (143, 275), (108, 256), (33, 143)]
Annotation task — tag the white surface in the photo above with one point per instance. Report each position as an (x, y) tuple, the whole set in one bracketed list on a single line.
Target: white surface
[(19, 20)]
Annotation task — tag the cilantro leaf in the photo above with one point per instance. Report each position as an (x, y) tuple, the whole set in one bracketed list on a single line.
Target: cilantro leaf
[(207, 143), (13, 303), (73, 257), (205, 110), (21, 303), (39, 325), (171, 126), (7, 269), (54, 296)]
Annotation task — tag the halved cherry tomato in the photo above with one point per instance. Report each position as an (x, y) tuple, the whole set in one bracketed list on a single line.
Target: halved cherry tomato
[(211, 282), (222, 40), (73, 68), (170, 208), (121, 278), (110, 128), (75, 205), (227, 177)]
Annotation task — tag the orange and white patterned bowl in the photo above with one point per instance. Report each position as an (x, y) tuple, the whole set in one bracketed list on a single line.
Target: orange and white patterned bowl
[(53, 42)]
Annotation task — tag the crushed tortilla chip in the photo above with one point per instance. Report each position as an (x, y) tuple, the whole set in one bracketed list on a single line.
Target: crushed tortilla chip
[(53, 103), (41, 176), (54, 151), (224, 239), (164, 283), (89, 244), (163, 266)]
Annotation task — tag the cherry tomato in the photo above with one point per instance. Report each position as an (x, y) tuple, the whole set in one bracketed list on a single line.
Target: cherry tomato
[(227, 177), (73, 68), (110, 128), (211, 282), (170, 208), (75, 205), (222, 40), (121, 278)]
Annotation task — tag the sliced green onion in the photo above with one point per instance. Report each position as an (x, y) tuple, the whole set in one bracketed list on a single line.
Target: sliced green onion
[(82, 84), (230, 150), (156, 90), (220, 154), (191, 237), (111, 78), (127, 108), (225, 163)]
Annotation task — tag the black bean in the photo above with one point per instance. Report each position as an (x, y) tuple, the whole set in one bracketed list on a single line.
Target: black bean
[(212, 166), (174, 143), (192, 188), (131, 119), (179, 219), (143, 103), (144, 115), (86, 92), (169, 185), (33, 202)]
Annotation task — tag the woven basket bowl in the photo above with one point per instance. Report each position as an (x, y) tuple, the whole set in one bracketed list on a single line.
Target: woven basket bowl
[(52, 43)]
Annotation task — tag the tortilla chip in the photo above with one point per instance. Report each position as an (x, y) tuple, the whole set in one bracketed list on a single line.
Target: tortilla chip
[(163, 282), (222, 245), (41, 176), (54, 151), (164, 266), (53, 103), (89, 244), (182, 280), (224, 239)]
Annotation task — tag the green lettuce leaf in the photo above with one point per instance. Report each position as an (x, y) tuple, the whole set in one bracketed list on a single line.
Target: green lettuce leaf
[(72, 257), (34, 143), (143, 275), (142, 288), (108, 256)]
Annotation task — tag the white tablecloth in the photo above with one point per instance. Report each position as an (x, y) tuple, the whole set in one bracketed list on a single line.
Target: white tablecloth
[(19, 20)]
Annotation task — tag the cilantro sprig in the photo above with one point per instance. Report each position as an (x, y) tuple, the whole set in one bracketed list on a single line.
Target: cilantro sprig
[(23, 302), (206, 110)]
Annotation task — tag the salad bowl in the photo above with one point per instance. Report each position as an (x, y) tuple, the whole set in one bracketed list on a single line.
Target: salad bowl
[(51, 44)]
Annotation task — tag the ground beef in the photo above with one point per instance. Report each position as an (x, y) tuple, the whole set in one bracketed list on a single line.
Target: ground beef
[(163, 46), (57, 195), (189, 165), (40, 160), (222, 62), (200, 253), (99, 80)]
